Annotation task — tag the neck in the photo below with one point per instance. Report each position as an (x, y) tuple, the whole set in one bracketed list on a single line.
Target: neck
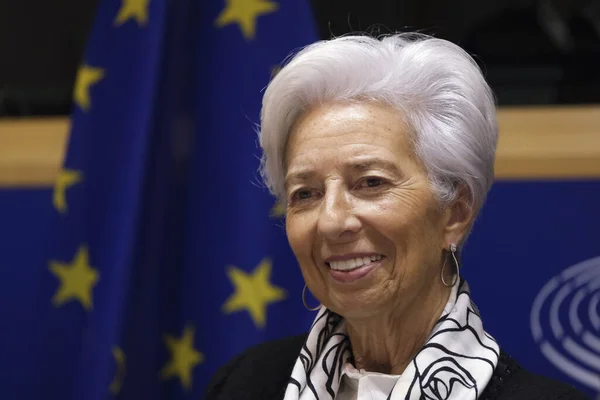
[(388, 341)]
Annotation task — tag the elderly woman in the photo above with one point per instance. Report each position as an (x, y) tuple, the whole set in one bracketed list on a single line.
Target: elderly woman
[(383, 152)]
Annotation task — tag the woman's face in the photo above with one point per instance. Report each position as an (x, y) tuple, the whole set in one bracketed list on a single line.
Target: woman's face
[(361, 219)]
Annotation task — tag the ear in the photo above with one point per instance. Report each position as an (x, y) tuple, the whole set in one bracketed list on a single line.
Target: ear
[(458, 217)]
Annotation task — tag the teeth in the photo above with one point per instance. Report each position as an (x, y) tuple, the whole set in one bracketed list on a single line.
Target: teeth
[(347, 265)]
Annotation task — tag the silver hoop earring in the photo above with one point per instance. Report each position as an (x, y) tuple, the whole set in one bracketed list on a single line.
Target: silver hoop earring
[(304, 300), (452, 251)]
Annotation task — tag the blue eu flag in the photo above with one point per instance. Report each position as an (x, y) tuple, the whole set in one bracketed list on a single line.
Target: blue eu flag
[(168, 256)]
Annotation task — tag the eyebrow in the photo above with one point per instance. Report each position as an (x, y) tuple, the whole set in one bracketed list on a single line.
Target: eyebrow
[(368, 163), (360, 165), (304, 175)]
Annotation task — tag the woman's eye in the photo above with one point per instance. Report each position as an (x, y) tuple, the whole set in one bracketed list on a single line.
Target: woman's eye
[(302, 194), (373, 182)]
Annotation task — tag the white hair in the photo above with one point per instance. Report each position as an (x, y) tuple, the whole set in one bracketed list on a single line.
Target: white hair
[(435, 85)]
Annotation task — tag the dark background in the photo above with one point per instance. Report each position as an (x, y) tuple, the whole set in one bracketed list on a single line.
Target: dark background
[(532, 52)]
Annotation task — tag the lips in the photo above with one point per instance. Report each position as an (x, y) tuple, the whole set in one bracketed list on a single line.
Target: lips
[(350, 269), (353, 263)]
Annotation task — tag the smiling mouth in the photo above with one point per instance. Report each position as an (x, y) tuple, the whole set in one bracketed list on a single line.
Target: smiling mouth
[(353, 263)]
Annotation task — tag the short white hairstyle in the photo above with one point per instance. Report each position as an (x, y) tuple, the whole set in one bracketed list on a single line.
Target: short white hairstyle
[(436, 86)]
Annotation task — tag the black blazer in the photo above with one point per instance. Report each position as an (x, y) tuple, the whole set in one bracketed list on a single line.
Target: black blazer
[(263, 371)]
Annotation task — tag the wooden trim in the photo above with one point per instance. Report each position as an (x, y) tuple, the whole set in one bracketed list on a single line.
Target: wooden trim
[(31, 151), (535, 143), (548, 143)]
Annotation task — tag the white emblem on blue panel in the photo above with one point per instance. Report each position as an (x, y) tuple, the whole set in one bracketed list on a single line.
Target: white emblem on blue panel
[(565, 322)]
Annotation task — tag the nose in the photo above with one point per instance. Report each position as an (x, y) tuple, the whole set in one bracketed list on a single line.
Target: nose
[(337, 219)]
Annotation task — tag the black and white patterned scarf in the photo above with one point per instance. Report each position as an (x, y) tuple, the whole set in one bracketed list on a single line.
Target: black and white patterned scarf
[(456, 362)]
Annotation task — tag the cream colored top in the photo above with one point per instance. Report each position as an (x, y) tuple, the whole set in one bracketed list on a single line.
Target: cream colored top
[(363, 385)]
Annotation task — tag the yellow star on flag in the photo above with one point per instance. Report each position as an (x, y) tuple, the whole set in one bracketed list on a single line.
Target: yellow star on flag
[(183, 357), (278, 210), (64, 180), (253, 292), (137, 9), (77, 279), (244, 13), (117, 382), (86, 77)]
